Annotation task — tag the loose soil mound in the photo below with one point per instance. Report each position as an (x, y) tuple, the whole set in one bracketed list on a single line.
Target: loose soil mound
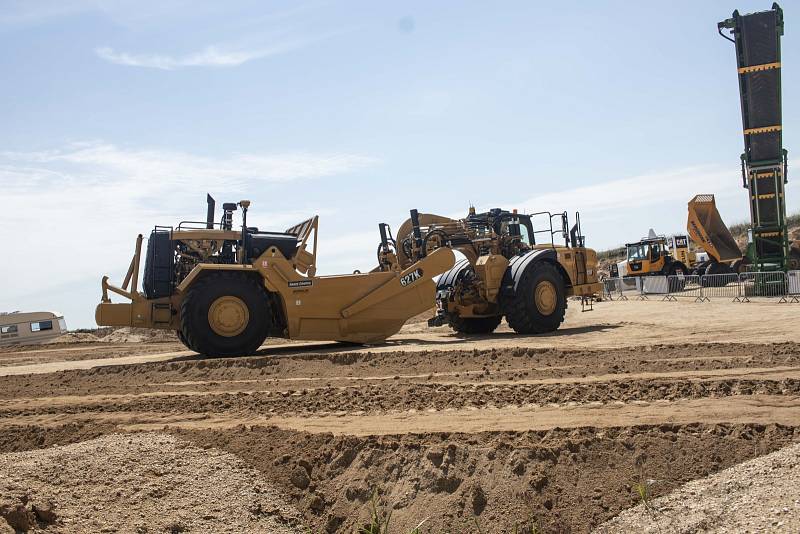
[(558, 480), (760, 495), (138, 335), (75, 337), (138, 483)]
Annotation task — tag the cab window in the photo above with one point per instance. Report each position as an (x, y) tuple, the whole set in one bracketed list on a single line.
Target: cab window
[(524, 234), (638, 252), (41, 325), (656, 251), (8, 329)]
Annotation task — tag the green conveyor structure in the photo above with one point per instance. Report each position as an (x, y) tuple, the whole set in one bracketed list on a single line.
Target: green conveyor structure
[(757, 37)]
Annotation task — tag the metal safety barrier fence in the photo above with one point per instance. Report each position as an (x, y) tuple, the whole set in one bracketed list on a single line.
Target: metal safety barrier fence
[(622, 288), (793, 285), (784, 286), (773, 284), (684, 286)]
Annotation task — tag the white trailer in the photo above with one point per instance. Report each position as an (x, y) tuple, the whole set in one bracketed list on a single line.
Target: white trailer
[(28, 328)]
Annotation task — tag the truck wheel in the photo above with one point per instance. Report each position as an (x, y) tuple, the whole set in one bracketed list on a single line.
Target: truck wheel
[(677, 269), (182, 338), (225, 314), (716, 268), (474, 325), (539, 303)]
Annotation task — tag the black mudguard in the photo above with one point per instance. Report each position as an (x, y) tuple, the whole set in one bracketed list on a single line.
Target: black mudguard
[(444, 287), (449, 278), (518, 264)]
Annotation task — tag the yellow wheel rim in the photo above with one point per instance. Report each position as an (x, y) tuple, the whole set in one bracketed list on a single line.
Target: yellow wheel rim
[(546, 297), (228, 316)]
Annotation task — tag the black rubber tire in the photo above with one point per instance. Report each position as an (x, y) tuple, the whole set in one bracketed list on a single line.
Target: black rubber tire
[(158, 265), (677, 268), (700, 268), (474, 325), (718, 268), (194, 315), (183, 340), (521, 311)]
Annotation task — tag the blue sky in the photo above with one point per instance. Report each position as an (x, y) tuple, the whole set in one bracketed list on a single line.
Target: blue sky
[(117, 116)]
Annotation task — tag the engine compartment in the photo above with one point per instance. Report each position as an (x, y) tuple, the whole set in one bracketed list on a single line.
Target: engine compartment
[(173, 253)]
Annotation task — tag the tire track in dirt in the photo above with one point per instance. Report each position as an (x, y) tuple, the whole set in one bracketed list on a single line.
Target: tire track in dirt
[(777, 409), (371, 399), (343, 368), (452, 435)]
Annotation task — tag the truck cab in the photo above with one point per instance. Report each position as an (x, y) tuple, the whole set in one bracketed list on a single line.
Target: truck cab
[(652, 256)]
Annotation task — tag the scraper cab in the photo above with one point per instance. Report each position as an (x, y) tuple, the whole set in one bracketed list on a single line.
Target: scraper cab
[(224, 289)]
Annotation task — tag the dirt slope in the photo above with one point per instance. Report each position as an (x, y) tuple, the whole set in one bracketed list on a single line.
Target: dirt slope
[(761, 495), (139, 483)]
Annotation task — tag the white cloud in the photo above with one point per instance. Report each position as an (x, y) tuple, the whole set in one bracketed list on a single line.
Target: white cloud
[(210, 56), (20, 12), (624, 209), (98, 162), (644, 190), (79, 208)]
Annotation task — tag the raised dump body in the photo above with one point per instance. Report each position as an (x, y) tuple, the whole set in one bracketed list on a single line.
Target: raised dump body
[(707, 230)]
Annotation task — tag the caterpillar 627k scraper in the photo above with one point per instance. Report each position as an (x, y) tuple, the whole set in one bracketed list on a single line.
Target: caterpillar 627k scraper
[(509, 269), (225, 289)]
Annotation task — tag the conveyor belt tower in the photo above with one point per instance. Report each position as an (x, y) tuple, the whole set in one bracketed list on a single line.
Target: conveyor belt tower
[(757, 37)]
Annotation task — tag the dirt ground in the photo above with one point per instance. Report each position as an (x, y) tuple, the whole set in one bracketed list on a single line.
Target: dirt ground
[(553, 432), (760, 495), (147, 482)]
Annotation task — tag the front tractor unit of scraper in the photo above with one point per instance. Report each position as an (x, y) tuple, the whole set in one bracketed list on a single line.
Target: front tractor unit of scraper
[(511, 268), (224, 290)]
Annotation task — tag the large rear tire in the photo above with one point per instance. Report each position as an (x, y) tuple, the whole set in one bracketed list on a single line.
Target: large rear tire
[(539, 302), (715, 268), (677, 268), (474, 325), (183, 340), (718, 268), (740, 265), (225, 314)]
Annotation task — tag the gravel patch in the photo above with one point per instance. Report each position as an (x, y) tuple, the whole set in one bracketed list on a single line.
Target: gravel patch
[(760, 495), (147, 482)]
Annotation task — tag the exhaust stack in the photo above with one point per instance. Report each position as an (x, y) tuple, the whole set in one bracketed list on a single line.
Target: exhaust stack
[(210, 211)]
